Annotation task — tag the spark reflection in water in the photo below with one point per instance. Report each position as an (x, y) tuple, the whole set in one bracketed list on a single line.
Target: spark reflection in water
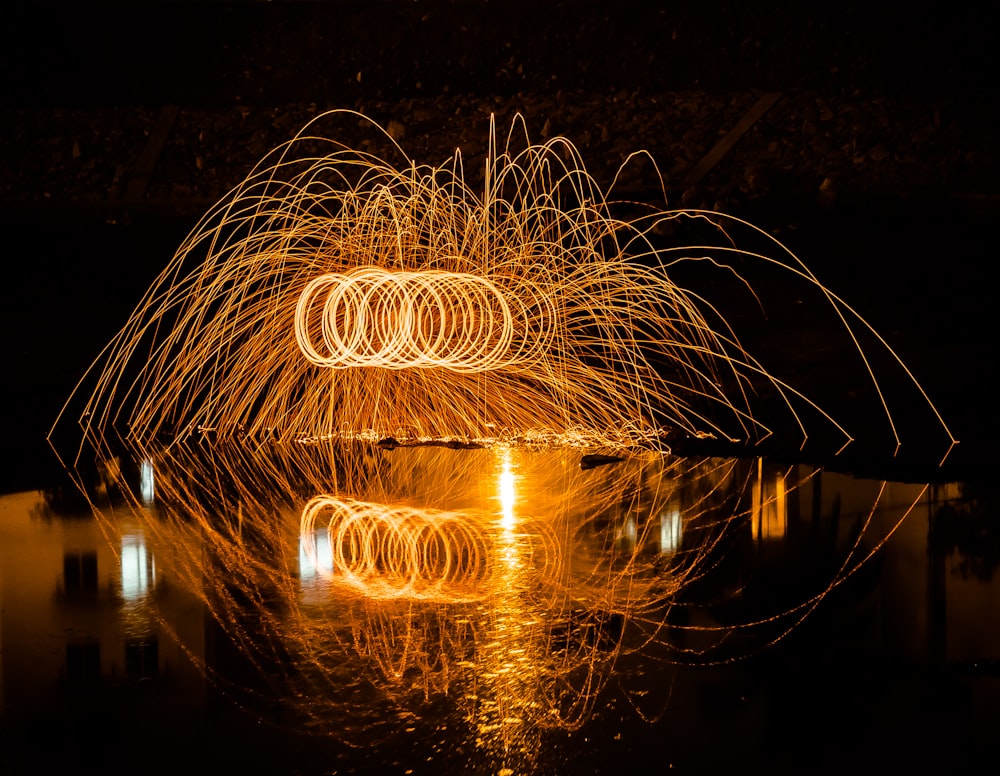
[(499, 587)]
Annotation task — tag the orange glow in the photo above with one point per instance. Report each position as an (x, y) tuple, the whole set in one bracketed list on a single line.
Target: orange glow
[(769, 511), (372, 317), (397, 552), (337, 317), (496, 578)]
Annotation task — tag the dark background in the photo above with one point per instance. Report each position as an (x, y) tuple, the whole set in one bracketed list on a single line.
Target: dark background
[(211, 53)]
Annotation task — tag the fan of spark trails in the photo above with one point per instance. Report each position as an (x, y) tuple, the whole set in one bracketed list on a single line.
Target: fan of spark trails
[(333, 294), (509, 581)]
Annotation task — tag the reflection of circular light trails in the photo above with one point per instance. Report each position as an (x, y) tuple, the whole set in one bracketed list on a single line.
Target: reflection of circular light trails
[(398, 551), (520, 621), (372, 317)]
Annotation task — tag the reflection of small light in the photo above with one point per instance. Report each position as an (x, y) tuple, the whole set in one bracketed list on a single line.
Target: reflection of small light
[(315, 554), (629, 530), (769, 508), (507, 493), (146, 488), (670, 530), (137, 568)]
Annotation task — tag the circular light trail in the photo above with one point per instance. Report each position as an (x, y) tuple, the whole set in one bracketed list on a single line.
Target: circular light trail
[(430, 319)]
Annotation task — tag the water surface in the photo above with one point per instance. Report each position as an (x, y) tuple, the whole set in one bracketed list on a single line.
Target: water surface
[(315, 609)]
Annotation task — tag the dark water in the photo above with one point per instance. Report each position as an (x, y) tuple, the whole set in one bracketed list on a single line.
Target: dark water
[(427, 610)]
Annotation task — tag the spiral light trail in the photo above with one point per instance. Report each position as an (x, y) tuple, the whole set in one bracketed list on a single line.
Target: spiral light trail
[(371, 317)]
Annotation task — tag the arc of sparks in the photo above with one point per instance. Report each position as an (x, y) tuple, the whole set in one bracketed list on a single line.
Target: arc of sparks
[(333, 294)]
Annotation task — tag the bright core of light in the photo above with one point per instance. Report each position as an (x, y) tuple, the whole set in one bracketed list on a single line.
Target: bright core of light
[(670, 529), (147, 486), (317, 559), (137, 568)]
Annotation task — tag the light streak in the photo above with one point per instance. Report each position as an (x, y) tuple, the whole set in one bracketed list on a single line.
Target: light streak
[(334, 299), (147, 482)]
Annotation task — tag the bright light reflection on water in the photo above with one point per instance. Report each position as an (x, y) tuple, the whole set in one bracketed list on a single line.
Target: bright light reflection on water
[(507, 491), (137, 568)]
